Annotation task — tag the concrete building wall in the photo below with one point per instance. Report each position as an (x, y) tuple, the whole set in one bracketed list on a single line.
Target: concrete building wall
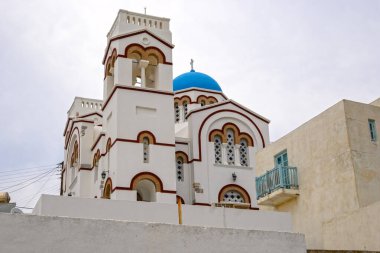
[(365, 153), (338, 172), (357, 230), (320, 150), (29, 233)]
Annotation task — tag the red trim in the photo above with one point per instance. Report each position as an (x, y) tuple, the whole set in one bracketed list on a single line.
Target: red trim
[(201, 204), (88, 169), (71, 128), (90, 114), (195, 89), (145, 48), (254, 208), (212, 114), (183, 143), (169, 93), (97, 140), (149, 133), (132, 34), (229, 102), (239, 133), (136, 141)]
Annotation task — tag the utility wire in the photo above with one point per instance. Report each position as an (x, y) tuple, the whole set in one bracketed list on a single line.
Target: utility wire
[(23, 175), (38, 179), (4, 171), (45, 173), (39, 190)]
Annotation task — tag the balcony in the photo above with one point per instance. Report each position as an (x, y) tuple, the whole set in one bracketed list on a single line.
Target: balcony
[(277, 186)]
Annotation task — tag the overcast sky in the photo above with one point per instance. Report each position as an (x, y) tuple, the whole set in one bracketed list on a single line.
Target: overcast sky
[(287, 60)]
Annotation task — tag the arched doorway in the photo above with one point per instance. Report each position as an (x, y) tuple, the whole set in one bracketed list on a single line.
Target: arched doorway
[(146, 191), (107, 189)]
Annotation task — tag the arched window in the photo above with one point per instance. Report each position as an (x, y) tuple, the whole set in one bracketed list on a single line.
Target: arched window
[(233, 196), (180, 175), (176, 112), (203, 103), (184, 110), (243, 150), (107, 189), (230, 147), (218, 149), (96, 166), (146, 149)]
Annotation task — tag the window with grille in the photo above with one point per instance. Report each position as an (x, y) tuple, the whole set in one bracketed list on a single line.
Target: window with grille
[(176, 112), (180, 175), (218, 149), (146, 149), (184, 109), (230, 147), (233, 196), (243, 150), (372, 129)]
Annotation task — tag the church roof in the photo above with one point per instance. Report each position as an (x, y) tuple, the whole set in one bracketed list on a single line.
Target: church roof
[(195, 79)]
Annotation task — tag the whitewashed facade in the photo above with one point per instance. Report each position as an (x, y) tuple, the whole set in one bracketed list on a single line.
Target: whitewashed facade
[(147, 141)]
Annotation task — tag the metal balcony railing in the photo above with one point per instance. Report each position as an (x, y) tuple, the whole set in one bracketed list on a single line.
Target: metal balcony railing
[(281, 177)]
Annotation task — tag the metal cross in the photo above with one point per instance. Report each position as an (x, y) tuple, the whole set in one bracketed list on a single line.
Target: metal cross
[(192, 64)]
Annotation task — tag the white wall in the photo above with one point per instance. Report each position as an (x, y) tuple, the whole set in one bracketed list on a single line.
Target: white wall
[(49, 205), (29, 233)]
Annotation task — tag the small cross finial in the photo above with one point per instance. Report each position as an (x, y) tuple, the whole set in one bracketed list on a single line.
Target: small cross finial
[(192, 64), (145, 10)]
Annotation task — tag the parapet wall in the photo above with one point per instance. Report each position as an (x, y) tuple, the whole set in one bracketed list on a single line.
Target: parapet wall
[(30, 233), (219, 217)]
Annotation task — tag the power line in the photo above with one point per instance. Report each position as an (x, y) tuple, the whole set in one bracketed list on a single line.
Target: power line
[(4, 171), (39, 190), (45, 173), (28, 184), (23, 174)]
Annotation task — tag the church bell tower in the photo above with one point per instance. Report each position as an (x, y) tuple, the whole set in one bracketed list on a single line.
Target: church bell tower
[(138, 111)]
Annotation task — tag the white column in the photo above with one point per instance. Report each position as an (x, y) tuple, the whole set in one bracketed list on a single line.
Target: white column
[(143, 64), (224, 154), (237, 155)]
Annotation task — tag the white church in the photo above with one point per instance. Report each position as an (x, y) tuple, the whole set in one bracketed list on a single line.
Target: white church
[(155, 139)]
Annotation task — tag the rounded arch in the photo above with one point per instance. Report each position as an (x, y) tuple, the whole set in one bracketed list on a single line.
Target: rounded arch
[(238, 134), (153, 54), (183, 155), (107, 189), (109, 145), (146, 134), (237, 188), (147, 176), (234, 128), (110, 63)]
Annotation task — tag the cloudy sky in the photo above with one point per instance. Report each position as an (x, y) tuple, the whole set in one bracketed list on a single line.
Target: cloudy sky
[(287, 60)]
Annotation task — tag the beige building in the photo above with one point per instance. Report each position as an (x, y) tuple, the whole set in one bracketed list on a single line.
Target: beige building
[(327, 174)]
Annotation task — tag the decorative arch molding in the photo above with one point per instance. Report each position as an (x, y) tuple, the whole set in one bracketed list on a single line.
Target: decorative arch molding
[(146, 134), (182, 100), (206, 99), (147, 176), (108, 145), (110, 64), (214, 113), (237, 188), (96, 159), (145, 53), (183, 155), (107, 191), (238, 134)]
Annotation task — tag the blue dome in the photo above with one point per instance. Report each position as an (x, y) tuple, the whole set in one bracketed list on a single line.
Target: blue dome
[(194, 79)]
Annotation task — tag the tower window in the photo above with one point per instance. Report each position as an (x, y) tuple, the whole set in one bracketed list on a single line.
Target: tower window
[(218, 149), (372, 129), (176, 112), (184, 109), (230, 147), (180, 175), (146, 149), (243, 150)]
